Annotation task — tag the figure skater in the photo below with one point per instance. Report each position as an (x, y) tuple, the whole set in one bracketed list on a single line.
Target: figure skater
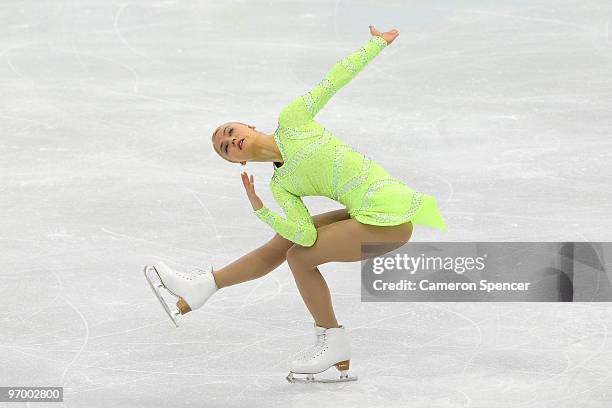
[(309, 161)]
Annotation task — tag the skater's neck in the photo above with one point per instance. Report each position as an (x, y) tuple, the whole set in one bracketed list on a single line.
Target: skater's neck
[(266, 150)]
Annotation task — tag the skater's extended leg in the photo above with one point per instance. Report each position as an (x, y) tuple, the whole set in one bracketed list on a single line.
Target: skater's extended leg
[(337, 242), (269, 256)]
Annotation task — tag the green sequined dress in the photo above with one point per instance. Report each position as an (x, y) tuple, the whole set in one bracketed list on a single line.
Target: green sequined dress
[(317, 163)]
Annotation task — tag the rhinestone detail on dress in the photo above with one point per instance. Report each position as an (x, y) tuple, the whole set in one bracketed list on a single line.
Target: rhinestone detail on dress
[(306, 151), (415, 205)]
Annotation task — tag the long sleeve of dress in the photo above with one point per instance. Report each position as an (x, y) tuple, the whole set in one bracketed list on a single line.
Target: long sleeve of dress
[(304, 108), (298, 226)]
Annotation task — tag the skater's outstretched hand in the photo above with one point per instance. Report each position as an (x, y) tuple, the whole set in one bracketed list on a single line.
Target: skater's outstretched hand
[(249, 186), (389, 36)]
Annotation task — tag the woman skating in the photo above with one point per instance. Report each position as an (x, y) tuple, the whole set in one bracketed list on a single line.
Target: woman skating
[(309, 161)]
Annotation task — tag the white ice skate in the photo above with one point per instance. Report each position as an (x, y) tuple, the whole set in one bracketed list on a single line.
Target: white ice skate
[(331, 349), (192, 289)]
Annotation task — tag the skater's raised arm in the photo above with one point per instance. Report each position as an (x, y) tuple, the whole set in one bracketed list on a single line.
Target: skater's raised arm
[(304, 108), (298, 226)]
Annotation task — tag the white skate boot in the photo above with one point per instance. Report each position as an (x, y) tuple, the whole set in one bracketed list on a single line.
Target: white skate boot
[(192, 289), (331, 349)]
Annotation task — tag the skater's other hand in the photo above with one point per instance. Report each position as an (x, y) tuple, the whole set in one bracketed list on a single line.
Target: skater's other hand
[(389, 36), (249, 186)]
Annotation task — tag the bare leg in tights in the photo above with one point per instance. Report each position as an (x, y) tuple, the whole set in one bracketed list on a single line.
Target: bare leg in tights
[(269, 256), (337, 242), (339, 239)]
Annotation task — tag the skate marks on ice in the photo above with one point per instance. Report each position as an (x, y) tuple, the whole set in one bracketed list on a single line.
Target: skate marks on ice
[(543, 356)]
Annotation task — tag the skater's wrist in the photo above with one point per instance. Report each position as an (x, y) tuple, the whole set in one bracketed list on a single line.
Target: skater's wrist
[(380, 40), (260, 209)]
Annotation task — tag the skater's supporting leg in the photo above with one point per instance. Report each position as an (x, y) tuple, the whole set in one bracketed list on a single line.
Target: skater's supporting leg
[(337, 242), (267, 257)]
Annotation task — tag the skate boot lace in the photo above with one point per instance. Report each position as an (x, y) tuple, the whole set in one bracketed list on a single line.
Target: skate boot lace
[(194, 273), (199, 271), (321, 339), (317, 349), (320, 346)]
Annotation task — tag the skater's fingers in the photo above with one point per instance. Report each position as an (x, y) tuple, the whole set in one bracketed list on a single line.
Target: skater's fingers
[(245, 180), (247, 183)]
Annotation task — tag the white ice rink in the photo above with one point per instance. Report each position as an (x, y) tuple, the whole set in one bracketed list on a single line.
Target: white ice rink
[(501, 110)]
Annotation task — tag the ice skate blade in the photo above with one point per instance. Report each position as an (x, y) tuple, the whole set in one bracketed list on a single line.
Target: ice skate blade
[(151, 276), (311, 379)]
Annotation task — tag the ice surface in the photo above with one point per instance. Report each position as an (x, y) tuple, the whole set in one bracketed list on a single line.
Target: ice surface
[(502, 110)]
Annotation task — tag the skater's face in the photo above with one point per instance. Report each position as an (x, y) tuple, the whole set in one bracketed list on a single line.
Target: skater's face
[(232, 141)]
